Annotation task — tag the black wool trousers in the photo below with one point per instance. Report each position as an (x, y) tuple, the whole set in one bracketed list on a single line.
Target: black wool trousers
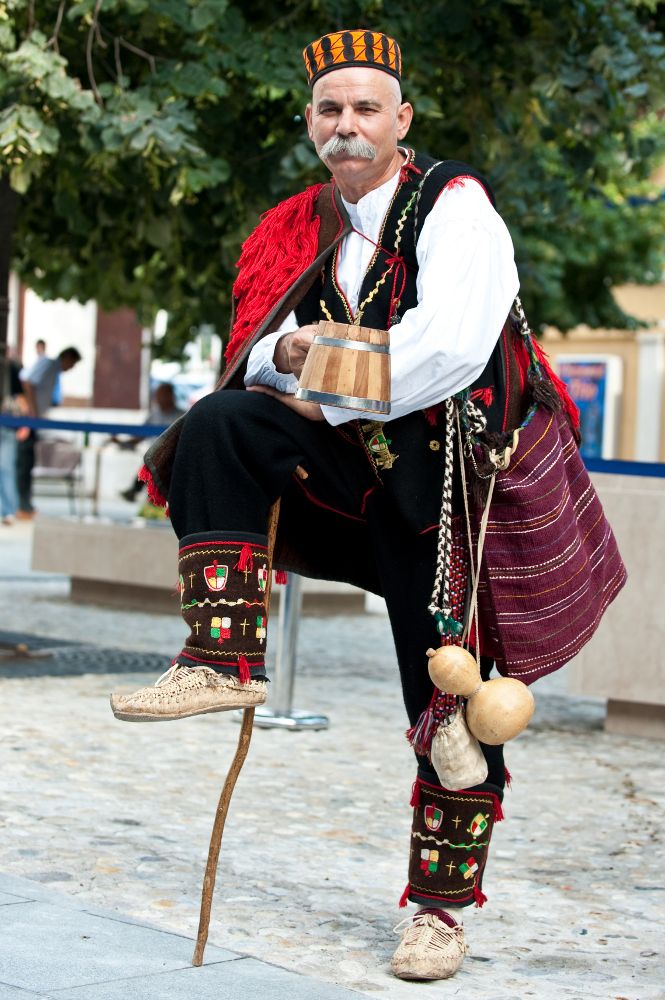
[(237, 454)]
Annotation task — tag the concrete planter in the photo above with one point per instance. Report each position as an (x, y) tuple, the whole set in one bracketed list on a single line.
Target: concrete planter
[(135, 567)]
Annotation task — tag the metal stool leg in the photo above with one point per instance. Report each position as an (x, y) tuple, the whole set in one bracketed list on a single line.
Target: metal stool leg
[(283, 715)]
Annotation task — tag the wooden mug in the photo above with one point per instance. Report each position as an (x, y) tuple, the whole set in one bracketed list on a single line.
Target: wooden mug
[(348, 366)]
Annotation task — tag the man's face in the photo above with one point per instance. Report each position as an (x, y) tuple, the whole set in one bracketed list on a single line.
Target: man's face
[(362, 107)]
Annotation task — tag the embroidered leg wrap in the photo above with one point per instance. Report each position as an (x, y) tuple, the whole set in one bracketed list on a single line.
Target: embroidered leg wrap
[(450, 835), (222, 582)]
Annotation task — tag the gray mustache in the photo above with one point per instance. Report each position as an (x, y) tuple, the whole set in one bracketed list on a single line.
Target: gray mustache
[(341, 145)]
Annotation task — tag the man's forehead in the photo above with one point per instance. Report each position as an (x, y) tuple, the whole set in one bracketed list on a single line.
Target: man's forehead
[(355, 83)]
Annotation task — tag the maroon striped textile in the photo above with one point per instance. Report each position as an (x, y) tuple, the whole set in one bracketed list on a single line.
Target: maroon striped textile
[(551, 565)]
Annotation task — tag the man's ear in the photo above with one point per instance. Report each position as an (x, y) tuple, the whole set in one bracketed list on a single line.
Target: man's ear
[(404, 119), (308, 119)]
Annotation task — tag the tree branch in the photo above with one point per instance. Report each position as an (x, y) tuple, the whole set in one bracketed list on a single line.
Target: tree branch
[(140, 52), (53, 40), (88, 53), (118, 60)]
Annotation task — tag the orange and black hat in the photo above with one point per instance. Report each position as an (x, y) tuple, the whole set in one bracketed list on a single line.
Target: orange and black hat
[(352, 48)]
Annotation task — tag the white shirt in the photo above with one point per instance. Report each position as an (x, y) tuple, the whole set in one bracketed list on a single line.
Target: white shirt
[(466, 284), (42, 376)]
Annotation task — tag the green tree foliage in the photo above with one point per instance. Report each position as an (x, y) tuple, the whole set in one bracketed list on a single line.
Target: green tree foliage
[(143, 138)]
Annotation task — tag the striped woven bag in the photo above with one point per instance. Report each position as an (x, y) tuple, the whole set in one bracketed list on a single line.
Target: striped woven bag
[(550, 564)]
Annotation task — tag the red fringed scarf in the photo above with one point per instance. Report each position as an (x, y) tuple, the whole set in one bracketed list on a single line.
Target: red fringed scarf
[(282, 246)]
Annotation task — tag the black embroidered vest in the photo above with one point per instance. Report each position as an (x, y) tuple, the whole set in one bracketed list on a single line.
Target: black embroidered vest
[(387, 291)]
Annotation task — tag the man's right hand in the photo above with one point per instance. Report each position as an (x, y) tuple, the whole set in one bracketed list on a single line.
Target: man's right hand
[(291, 350)]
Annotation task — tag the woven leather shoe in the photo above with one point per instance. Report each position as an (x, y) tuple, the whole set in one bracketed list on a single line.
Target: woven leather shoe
[(432, 947), (184, 691)]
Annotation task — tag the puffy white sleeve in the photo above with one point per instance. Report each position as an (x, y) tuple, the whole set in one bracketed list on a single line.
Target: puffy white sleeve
[(260, 365), (466, 284)]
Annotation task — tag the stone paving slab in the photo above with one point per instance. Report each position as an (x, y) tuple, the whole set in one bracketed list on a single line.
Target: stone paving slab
[(13, 993), (58, 950), (244, 979), (45, 948), (6, 897)]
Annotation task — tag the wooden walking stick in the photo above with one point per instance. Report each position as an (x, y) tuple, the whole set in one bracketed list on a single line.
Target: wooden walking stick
[(234, 770)]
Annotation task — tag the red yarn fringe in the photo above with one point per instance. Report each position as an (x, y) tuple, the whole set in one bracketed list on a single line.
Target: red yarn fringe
[(479, 896), (245, 560), (281, 247), (244, 675), (523, 359), (155, 497), (485, 396), (498, 811), (507, 776), (432, 413), (415, 794), (560, 386), (404, 898), (281, 576)]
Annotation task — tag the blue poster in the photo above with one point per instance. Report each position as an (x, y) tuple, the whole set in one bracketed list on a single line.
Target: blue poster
[(587, 384)]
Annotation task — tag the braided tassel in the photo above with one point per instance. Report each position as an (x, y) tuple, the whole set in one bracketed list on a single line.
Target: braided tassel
[(421, 735), (445, 623)]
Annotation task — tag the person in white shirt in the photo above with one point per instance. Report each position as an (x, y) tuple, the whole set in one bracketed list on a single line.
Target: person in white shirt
[(162, 413), (398, 241), (39, 382)]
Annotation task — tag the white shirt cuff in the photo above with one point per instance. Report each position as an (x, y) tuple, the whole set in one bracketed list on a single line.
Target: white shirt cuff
[(261, 367)]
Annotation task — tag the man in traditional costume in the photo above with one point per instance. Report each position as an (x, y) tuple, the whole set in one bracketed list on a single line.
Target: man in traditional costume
[(396, 241)]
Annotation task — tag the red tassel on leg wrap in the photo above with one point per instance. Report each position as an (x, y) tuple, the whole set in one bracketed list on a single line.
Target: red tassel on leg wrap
[(479, 896), (244, 675), (404, 898), (498, 811), (507, 777), (415, 794), (281, 576), (245, 560)]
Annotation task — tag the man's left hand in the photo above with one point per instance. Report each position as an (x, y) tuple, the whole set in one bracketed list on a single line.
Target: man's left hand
[(312, 411)]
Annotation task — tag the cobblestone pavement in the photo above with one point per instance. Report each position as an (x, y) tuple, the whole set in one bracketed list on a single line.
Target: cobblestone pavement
[(315, 854)]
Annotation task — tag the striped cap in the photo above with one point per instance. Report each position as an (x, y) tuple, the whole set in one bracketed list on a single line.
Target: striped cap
[(352, 48)]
